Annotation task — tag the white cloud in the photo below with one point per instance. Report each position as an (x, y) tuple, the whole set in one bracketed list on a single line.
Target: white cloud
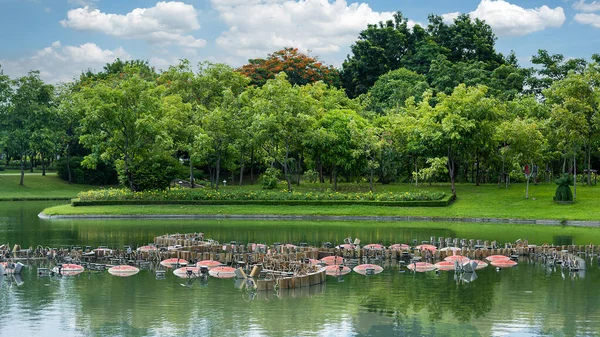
[(507, 19), (58, 63), (583, 6), (450, 17), (167, 23), (588, 19), (259, 27)]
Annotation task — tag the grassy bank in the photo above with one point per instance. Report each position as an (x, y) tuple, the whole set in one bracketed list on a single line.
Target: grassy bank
[(38, 187), (487, 201)]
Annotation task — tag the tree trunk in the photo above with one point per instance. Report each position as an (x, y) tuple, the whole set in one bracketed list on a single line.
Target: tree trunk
[(334, 173), (320, 169), (191, 173), (22, 170), (217, 171), (589, 165), (504, 175), (451, 171), (43, 166), (527, 185), (477, 177), (252, 167), (241, 173), (299, 167), (69, 169), (371, 180), (574, 174), (416, 171)]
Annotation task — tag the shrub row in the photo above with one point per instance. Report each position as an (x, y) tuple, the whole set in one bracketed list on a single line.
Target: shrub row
[(179, 194), (420, 203)]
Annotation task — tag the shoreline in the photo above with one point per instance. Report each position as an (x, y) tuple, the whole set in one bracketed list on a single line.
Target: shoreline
[(540, 222), (36, 199)]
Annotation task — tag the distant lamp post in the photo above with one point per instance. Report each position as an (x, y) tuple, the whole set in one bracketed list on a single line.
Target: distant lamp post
[(180, 183), (224, 183)]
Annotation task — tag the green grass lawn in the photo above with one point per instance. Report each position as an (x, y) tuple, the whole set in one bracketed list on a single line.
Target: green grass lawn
[(38, 187), (486, 201)]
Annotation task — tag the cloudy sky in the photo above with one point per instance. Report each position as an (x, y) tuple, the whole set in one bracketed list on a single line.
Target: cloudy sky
[(63, 37)]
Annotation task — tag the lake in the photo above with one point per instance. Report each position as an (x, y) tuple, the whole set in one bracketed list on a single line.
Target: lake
[(529, 300)]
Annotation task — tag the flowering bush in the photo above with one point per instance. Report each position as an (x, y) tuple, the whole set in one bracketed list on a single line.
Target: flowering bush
[(209, 194)]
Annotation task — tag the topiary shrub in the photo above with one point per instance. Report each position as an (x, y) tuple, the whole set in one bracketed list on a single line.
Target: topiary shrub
[(563, 191), (270, 178)]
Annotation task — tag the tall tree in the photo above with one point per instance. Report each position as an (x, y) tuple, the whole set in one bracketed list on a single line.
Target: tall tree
[(575, 102), (525, 144), (460, 126), (392, 45), (465, 40), (6, 93), (31, 102), (379, 49), (338, 133), (126, 120), (393, 88), (283, 115), (300, 68), (551, 68)]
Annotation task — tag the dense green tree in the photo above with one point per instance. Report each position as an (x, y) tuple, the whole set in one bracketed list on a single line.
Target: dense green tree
[(551, 68), (118, 68), (524, 144), (31, 106), (283, 114), (392, 89), (575, 105), (468, 43), (460, 126), (338, 133), (125, 120), (181, 80), (465, 40), (380, 48), (5, 101)]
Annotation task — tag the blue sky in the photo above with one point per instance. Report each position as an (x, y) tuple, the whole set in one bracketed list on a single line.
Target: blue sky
[(63, 37)]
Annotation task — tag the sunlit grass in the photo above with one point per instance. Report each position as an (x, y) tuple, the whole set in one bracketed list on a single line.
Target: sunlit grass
[(37, 186), (486, 201)]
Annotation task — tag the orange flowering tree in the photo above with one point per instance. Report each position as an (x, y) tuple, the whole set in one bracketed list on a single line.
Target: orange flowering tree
[(300, 68)]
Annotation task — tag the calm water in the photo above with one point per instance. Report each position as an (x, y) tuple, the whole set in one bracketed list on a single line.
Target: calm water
[(529, 300)]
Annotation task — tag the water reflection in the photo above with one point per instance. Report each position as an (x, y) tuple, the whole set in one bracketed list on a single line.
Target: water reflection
[(532, 299)]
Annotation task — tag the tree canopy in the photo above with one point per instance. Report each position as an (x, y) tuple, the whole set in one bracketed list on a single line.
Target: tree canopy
[(300, 68)]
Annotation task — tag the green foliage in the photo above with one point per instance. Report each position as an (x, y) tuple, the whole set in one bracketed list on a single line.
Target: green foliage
[(466, 44), (437, 169), (551, 68), (257, 203), (178, 194), (270, 178), (156, 173), (127, 121), (311, 176), (392, 89), (103, 174), (563, 191)]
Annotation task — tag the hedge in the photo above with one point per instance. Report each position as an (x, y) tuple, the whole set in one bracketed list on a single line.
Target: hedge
[(445, 201), (179, 194)]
